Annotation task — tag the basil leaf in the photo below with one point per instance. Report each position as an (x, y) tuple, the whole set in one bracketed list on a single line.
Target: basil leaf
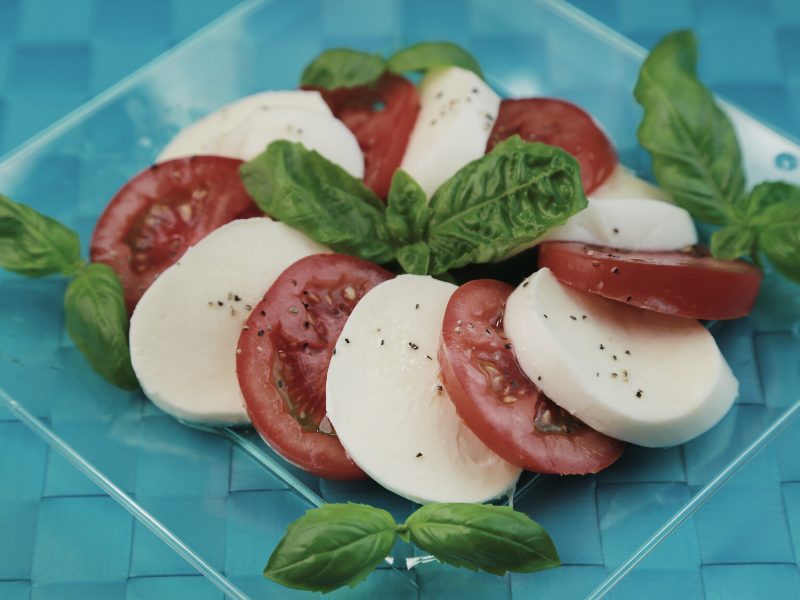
[(693, 145), (415, 258), (426, 55), (407, 211), (780, 238), (501, 201), (97, 322), (308, 192), (343, 67), (766, 194), (34, 245), (732, 241), (332, 546), (496, 539)]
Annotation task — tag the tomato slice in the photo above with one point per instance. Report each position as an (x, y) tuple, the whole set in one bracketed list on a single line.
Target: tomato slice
[(163, 210), (286, 348), (496, 399), (558, 123), (382, 118), (684, 284)]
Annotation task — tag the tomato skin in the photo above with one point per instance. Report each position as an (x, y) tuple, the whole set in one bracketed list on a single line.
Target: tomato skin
[(286, 348), (157, 215), (481, 375), (558, 123), (683, 284), (382, 134)]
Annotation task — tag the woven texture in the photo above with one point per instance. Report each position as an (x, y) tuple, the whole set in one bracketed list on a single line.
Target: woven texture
[(60, 537)]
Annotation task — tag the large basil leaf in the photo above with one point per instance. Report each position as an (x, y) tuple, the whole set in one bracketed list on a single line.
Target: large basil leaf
[(495, 539), (332, 546), (426, 55), (343, 67), (308, 192), (779, 235), (34, 245), (501, 201), (692, 142), (733, 241), (97, 322)]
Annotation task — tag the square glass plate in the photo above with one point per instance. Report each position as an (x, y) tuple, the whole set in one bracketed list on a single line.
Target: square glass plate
[(221, 499)]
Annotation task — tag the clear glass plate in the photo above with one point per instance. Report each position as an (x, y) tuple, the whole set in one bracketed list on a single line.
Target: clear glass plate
[(221, 500)]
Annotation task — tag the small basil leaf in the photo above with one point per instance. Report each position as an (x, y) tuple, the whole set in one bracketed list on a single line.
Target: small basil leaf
[(426, 55), (342, 68), (415, 258), (693, 145), (308, 192), (332, 546), (495, 539), (97, 322), (34, 245), (780, 238), (766, 194), (732, 241), (406, 209), (500, 202)]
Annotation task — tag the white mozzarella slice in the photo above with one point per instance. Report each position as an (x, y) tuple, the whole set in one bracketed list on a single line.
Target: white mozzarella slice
[(195, 138), (185, 329), (633, 374), (630, 224), (316, 131), (456, 116), (385, 400), (623, 184)]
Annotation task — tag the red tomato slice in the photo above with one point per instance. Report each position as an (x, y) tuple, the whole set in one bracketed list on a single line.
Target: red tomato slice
[(684, 284), (558, 123), (381, 117), (499, 403), (162, 211), (286, 348)]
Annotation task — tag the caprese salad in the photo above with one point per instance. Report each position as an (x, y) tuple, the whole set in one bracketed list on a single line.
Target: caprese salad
[(303, 261)]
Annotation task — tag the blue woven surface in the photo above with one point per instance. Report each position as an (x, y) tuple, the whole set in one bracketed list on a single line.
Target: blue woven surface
[(59, 532)]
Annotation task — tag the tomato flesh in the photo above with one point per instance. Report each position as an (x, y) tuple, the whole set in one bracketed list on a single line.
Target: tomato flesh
[(496, 399), (558, 123), (683, 284), (286, 348), (163, 210), (382, 118)]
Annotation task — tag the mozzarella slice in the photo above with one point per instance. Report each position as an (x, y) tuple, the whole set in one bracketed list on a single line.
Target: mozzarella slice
[(195, 138), (185, 329), (633, 374), (316, 131), (630, 224), (622, 184), (387, 405), (456, 116)]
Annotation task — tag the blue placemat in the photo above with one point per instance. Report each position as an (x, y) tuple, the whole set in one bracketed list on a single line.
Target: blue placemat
[(54, 524)]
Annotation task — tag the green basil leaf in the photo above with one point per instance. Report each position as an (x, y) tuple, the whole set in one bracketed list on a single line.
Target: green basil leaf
[(780, 238), (343, 67), (501, 201), (407, 211), (308, 192), (332, 546), (426, 55), (97, 322), (34, 245), (415, 258), (766, 194), (693, 145), (495, 539), (733, 241)]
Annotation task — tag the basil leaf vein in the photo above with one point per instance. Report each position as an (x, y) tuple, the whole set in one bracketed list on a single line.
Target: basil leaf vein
[(97, 321), (426, 55), (693, 145), (501, 201), (343, 68), (34, 245), (308, 192), (332, 546)]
